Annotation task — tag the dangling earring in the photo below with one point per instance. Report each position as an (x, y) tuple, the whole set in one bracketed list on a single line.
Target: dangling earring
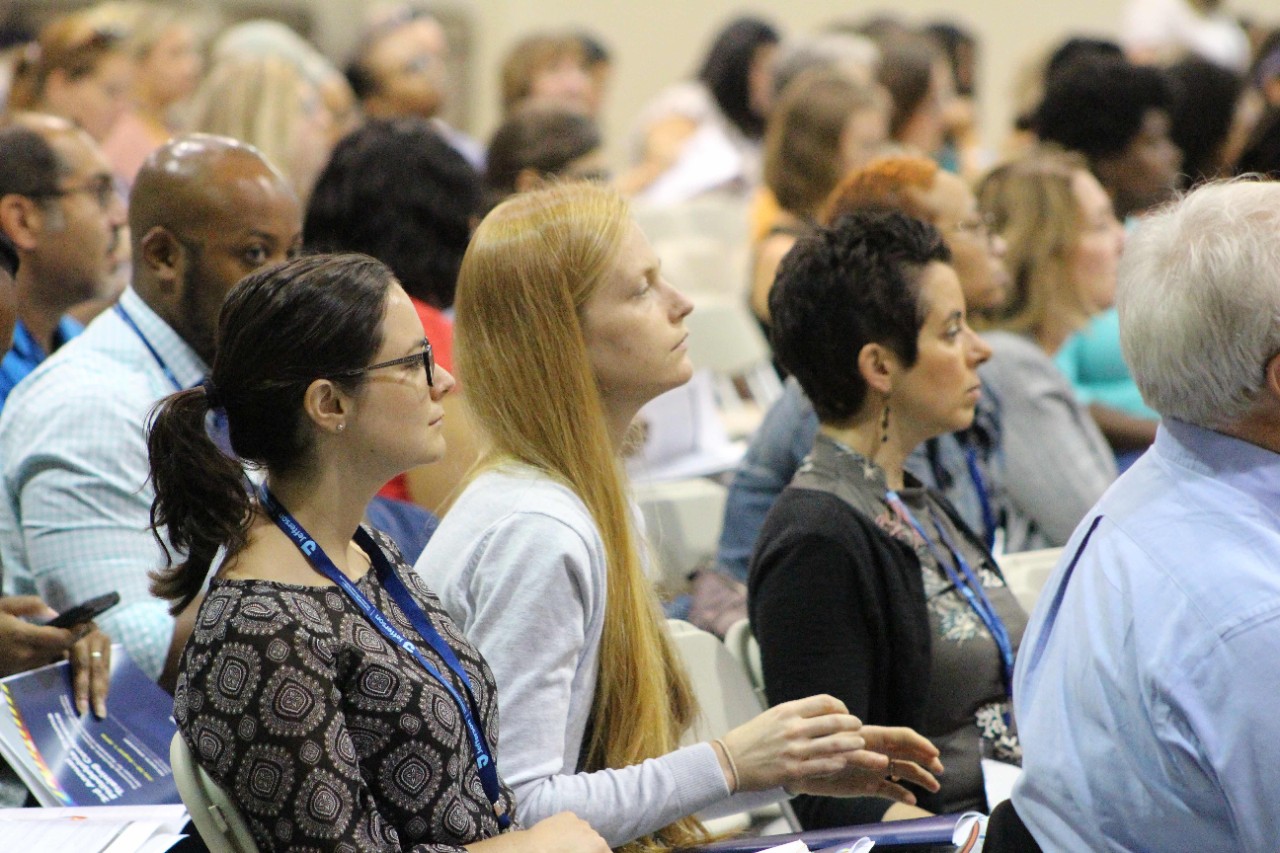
[(884, 424)]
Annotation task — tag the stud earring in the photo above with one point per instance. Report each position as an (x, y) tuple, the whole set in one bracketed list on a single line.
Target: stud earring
[(341, 427)]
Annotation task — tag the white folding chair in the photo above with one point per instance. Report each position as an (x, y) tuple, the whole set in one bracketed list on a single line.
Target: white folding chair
[(1026, 573), (726, 700), (742, 644), (682, 525), (218, 820), (725, 339)]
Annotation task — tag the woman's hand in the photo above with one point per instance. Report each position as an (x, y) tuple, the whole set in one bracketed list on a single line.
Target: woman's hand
[(815, 746), (91, 670), (892, 754), (791, 742)]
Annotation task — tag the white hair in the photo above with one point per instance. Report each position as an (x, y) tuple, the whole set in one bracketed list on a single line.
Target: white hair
[(1199, 301)]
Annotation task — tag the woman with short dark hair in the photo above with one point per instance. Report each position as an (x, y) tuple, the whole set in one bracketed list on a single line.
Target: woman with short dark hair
[(865, 584)]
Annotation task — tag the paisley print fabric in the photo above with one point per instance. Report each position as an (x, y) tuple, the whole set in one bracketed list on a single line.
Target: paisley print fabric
[(327, 735)]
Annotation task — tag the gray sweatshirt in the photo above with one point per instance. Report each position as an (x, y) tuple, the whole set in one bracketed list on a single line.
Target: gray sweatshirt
[(520, 566)]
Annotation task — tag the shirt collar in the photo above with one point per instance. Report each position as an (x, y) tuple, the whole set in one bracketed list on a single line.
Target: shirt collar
[(188, 368), (1247, 467)]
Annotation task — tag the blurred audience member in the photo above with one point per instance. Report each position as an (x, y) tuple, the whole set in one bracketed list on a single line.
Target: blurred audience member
[(962, 149), (59, 207), (76, 71), (401, 69), (824, 126), (1147, 710), (1163, 30), (1213, 116), (1064, 244), (537, 143), (918, 76), (546, 68), (164, 45), (267, 102), (261, 38), (205, 211), (396, 190), (855, 55), (1118, 116), (705, 135)]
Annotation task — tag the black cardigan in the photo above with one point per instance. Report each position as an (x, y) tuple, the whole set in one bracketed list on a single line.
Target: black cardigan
[(868, 644)]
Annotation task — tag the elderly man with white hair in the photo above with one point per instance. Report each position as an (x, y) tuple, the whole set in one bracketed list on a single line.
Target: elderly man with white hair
[(1148, 683)]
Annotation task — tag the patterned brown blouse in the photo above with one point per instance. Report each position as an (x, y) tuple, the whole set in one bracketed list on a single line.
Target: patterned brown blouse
[(327, 735)]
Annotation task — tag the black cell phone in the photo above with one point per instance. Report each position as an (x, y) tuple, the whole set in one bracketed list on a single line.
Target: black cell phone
[(82, 613)]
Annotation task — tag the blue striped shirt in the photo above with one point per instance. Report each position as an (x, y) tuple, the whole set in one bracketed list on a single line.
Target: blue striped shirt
[(73, 458)]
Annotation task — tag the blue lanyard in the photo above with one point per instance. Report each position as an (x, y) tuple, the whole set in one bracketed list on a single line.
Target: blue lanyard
[(321, 562), (168, 374), (984, 500), (966, 581)]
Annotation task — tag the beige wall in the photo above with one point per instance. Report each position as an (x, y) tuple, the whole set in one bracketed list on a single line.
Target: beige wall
[(656, 42)]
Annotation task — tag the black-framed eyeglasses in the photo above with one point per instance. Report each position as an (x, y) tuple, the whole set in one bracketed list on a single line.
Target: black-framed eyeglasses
[(425, 357), (101, 187)]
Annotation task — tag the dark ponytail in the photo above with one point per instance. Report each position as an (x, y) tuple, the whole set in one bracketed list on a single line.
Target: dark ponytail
[(201, 499), (280, 329)]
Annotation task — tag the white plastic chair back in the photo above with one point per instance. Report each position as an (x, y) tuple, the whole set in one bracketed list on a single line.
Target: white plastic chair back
[(217, 819), (726, 700), (742, 644), (682, 524), (1026, 573)]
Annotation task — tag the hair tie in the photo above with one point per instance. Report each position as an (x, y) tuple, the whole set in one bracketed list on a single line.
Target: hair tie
[(212, 396)]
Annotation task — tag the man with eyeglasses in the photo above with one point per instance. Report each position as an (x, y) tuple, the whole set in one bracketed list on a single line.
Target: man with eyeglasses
[(59, 206), (204, 212)]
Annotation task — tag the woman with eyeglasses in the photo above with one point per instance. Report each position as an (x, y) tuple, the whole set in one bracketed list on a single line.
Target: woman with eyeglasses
[(324, 688), (566, 328)]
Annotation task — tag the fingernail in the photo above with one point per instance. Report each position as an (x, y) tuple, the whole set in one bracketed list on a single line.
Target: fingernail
[(100, 709), (81, 707)]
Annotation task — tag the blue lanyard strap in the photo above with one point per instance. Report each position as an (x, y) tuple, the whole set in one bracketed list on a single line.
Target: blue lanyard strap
[(168, 374), (966, 581), (984, 499), (321, 562)]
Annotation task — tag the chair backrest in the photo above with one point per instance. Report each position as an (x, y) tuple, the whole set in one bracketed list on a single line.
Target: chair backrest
[(1026, 573), (726, 700), (682, 522), (217, 818), (742, 644)]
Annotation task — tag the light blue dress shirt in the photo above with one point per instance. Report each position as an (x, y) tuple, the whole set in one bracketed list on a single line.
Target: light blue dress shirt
[(1148, 684), (73, 458)]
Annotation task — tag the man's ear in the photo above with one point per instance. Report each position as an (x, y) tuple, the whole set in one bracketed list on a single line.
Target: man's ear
[(878, 365), (164, 257), (1273, 377), (22, 220)]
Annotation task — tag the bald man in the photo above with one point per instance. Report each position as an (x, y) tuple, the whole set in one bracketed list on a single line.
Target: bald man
[(204, 212), (59, 207)]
